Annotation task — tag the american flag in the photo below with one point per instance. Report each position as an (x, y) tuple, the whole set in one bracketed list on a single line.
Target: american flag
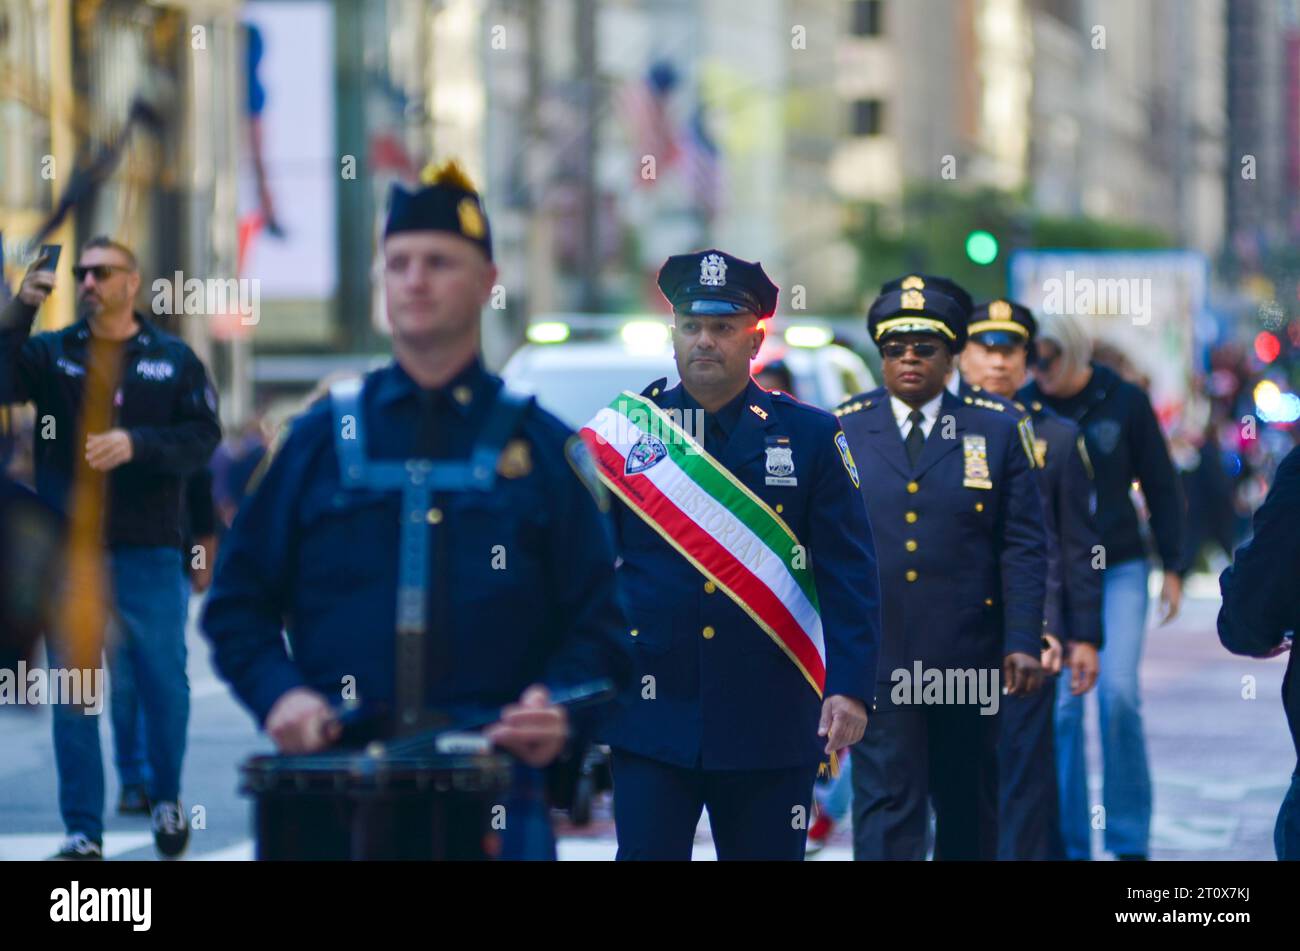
[(644, 105)]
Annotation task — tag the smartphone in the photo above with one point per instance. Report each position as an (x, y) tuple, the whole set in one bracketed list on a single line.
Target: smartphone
[(51, 253)]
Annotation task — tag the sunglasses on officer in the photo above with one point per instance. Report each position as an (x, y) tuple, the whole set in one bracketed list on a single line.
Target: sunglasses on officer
[(101, 272), (895, 350)]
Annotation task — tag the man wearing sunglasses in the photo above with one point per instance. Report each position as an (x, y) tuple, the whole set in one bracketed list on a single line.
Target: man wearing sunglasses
[(164, 427), (954, 505), (996, 361), (749, 576)]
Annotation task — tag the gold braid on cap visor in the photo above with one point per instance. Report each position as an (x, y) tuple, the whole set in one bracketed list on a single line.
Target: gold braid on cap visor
[(980, 326), (914, 323)]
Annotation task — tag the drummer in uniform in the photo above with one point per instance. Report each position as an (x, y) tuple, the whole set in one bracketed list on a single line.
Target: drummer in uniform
[(996, 358), (750, 581), (427, 540), (950, 489)]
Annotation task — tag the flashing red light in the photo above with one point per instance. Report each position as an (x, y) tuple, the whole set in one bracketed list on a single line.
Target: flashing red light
[(1267, 346)]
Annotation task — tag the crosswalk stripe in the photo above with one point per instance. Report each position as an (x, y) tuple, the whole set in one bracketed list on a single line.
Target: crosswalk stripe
[(28, 847)]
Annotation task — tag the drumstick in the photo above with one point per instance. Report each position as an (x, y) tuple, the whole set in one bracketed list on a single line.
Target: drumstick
[(356, 715), (571, 698)]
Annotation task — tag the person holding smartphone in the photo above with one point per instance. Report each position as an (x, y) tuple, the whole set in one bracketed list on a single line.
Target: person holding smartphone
[(164, 428)]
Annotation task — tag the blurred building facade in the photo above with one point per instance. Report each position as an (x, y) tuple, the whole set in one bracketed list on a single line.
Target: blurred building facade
[(762, 120), (1263, 102), (1101, 108)]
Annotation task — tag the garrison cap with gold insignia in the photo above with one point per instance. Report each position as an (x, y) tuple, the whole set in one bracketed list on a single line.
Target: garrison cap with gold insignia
[(1001, 323), (931, 282), (447, 202), (714, 282), (915, 310)]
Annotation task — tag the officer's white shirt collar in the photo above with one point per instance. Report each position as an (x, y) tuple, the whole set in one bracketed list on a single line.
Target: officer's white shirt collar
[(901, 411)]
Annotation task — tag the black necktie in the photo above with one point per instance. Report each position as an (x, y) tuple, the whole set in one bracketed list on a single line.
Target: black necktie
[(715, 437), (915, 437)]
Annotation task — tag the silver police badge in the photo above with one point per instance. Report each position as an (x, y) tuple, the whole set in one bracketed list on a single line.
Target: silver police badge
[(713, 271), (780, 466)]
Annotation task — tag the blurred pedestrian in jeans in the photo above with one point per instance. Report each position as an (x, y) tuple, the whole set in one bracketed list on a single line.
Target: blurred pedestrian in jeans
[(164, 427), (1125, 445), (1261, 604), (199, 553)]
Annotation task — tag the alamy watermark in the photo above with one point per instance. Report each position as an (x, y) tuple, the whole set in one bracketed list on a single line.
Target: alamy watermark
[(1099, 297), (947, 686), (55, 685), (210, 297)]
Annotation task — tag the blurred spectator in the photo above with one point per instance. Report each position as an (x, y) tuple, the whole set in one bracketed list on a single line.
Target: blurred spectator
[(232, 466), (164, 426), (1125, 445), (29, 565)]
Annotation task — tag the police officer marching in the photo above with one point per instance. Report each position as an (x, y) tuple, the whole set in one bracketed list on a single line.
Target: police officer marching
[(750, 581), (959, 539), (427, 538), (1001, 342)]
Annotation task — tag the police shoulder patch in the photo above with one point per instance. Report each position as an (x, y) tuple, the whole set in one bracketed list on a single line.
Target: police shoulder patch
[(842, 444), (584, 467)]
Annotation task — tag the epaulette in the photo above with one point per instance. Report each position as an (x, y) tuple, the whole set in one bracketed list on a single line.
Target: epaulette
[(987, 404), (655, 388), (852, 406)]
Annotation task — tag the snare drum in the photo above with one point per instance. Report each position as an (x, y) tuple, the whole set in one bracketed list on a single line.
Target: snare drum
[(376, 807)]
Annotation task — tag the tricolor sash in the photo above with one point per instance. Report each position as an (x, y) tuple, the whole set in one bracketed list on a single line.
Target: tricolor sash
[(716, 522)]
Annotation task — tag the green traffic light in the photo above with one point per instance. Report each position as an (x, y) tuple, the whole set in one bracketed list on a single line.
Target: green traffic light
[(981, 247)]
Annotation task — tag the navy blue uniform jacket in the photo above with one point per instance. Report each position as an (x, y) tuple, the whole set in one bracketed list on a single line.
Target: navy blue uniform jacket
[(962, 568), (521, 585), (732, 699)]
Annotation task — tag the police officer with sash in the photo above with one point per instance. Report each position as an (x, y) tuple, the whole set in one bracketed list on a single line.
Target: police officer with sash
[(750, 580), (1001, 342), (954, 505), (429, 540)]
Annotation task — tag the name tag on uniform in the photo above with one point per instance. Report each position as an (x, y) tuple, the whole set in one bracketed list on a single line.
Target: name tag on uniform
[(780, 461), (977, 463)]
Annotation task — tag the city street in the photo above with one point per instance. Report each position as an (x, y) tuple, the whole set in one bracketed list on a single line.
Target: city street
[(1220, 763)]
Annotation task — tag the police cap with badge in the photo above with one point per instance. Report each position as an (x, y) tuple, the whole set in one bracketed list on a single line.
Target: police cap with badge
[(447, 202), (932, 282), (916, 308), (713, 283), (1001, 323)]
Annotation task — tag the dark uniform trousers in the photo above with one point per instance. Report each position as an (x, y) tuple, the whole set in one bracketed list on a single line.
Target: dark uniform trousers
[(754, 814), (1029, 807), (958, 769)]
